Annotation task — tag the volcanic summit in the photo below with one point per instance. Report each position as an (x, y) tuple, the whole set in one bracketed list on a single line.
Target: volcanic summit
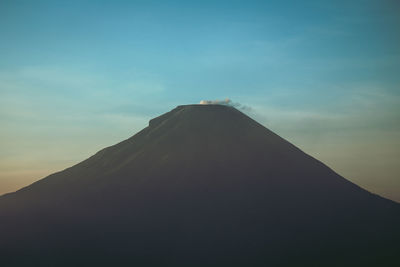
[(202, 185)]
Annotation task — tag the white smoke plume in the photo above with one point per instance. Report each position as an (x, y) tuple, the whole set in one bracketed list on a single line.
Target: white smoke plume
[(226, 102)]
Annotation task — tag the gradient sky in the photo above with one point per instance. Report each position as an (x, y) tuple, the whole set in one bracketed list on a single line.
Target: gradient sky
[(76, 76)]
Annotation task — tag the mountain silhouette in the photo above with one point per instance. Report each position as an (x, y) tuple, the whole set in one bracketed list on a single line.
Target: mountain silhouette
[(202, 185)]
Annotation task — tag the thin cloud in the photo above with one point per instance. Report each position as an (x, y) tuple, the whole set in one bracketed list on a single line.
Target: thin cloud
[(226, 102)]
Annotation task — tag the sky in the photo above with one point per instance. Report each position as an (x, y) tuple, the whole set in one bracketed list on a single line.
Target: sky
[(77, 76)]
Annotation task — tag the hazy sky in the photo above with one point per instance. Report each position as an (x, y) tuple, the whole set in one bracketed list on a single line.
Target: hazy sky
[(76, 76)]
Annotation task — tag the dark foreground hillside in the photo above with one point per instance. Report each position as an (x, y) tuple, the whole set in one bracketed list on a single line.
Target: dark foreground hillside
[(202, 185)]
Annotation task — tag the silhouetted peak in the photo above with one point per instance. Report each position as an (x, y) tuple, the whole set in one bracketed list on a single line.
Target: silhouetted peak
[(206, 185)]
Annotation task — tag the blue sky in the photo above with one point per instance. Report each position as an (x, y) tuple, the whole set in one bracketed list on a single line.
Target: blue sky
[(76, 76)]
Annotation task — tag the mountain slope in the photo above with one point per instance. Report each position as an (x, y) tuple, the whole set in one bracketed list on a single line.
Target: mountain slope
[(201, 185)]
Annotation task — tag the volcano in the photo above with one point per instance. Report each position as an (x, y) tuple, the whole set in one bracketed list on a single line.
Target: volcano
[(202, 185)]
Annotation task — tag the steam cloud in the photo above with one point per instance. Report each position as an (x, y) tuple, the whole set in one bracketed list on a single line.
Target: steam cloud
[(226, 102)]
